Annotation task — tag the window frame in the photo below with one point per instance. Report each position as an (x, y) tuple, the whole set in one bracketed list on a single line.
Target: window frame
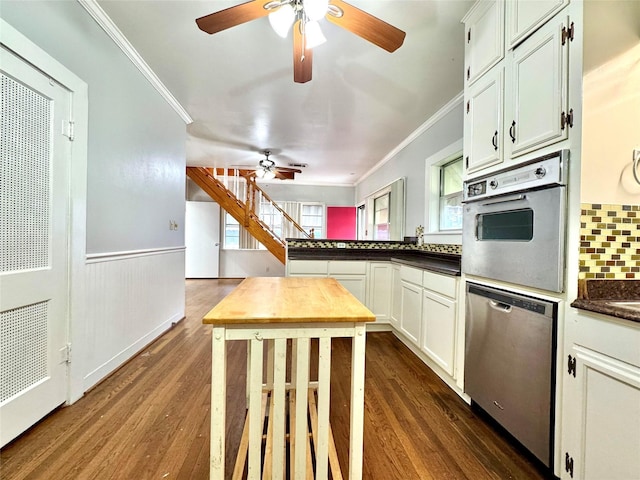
[(442, 197), (433, 165)]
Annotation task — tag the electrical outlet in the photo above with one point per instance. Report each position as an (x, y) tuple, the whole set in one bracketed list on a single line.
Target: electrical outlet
[(341, 245)]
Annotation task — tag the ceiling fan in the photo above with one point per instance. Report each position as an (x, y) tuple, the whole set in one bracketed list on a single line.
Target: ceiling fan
[(268, 169), (303, 15)]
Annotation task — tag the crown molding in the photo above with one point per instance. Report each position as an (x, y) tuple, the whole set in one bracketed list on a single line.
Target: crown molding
[(454, 102), (102, 19)]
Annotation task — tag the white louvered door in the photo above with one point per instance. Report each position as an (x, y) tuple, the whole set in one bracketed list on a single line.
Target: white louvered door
[(34, 212)]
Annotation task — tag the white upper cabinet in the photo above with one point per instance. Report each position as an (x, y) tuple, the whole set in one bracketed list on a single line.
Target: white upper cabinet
[(523, 17), (484, 38), (536, 112), (516, 103), (483, 132)]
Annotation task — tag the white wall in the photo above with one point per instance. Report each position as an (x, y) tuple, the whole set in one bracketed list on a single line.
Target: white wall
[(442, 130), (611, 119), (135, 185)]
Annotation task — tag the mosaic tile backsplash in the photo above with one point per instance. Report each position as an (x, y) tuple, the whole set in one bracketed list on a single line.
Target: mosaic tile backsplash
[(609, 241), (427, 247)]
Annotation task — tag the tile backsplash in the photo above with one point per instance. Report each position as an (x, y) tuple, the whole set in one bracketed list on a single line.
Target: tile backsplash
[(609, 241), (366, 245)]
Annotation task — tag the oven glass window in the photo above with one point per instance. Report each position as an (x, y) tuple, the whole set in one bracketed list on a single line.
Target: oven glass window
[(512, 225)]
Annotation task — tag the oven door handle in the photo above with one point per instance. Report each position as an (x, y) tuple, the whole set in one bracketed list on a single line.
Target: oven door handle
[(517, 198)]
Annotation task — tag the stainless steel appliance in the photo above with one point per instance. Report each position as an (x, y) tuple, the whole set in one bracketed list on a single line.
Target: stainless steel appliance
[(514, 224), (510, 363)]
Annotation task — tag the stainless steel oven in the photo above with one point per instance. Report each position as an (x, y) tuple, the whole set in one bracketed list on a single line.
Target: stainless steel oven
[(514, 224)]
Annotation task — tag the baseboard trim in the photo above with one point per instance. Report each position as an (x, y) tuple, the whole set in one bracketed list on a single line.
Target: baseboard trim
[(117, 361)]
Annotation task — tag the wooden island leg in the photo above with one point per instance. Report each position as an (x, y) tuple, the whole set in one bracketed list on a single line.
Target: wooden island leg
[(218, 402), (357, 403)]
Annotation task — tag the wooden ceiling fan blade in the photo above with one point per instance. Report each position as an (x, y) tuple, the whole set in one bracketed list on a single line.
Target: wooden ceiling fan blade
[(232, 16), (285, 175), (288, 169), (367, 26), (302, 57)]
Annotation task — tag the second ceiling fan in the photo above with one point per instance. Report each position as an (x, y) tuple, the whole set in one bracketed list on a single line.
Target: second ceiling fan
[(303, 15)]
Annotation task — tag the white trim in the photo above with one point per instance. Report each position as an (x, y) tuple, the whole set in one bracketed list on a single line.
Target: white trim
[(450, 106), (102, 19), (117, 256), (32, 53), (432, 194)]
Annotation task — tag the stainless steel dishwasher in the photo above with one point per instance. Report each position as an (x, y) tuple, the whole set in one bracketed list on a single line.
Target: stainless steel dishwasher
[(510, 363)]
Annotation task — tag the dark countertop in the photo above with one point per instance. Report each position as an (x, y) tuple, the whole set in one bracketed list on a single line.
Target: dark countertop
[(603, 296), (447, 264)]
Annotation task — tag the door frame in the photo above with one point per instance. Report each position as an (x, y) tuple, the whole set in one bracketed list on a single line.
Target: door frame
[(77, 195)]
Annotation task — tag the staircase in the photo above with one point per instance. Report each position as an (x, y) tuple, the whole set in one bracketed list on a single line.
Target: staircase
[(245, 212)]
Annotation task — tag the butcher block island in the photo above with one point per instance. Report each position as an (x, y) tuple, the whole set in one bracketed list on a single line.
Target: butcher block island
[(287, 313)]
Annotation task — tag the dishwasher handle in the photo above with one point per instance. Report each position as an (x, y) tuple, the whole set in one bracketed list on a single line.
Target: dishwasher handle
[(502, 307)]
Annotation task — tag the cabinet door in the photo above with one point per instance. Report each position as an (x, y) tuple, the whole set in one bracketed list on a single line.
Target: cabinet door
[(483, 121), (603, 437), (356, 284), (396, 296), (484, 41), (439, 329), (536, 92), (379, 299), (411, 318), (525, 16), (307, 268)]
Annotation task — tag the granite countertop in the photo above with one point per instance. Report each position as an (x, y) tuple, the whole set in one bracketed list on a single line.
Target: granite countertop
[(618, 298), (444, 263)]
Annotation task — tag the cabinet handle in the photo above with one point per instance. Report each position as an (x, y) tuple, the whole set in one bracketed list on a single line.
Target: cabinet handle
[(512, 132), (494, 140), (468, 73)]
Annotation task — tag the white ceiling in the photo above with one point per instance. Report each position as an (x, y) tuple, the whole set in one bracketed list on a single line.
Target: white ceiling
[(238, 87)]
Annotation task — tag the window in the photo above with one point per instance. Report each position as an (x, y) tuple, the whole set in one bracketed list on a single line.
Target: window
[(451, 195), (270, 215), (231, 232), (381, 205), (312, 219)]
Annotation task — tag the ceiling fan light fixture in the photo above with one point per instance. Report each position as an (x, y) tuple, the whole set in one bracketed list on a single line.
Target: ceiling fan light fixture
[(315, 9), (269, 174), (260, 172), (282, 19), (313, 34)]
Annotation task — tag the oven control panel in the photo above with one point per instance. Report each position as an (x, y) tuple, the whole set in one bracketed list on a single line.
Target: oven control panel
[(545, 171)]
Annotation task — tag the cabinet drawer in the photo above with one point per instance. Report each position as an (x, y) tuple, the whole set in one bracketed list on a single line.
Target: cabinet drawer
[(411, 275), (307, 267), (442, 284), (347, 268)]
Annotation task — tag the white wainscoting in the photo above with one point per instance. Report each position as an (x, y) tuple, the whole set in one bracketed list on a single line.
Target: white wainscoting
[(249, 263), (131, 298)]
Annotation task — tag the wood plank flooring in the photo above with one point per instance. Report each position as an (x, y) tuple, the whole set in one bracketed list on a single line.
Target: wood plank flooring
[(150, 419)]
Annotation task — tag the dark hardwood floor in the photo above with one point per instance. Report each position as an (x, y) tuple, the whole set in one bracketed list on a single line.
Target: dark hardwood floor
[(150, 419)]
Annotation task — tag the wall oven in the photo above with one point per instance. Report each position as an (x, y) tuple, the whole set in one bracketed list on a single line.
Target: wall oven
[(514, 224)]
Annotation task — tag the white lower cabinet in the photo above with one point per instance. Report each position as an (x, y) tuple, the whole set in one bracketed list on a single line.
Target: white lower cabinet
[(601, 400), (380, 295), (439, 329), (356, 284), (307, 268), (396, 296), (411, 308)]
